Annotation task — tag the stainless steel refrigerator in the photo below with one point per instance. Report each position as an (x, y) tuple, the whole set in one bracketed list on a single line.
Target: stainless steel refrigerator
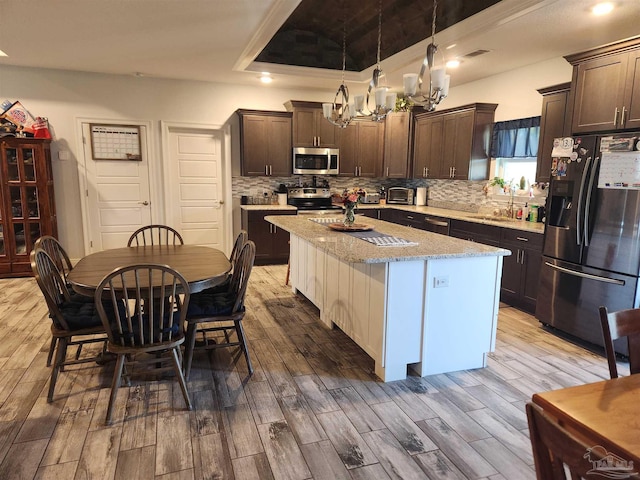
[(591, 252)]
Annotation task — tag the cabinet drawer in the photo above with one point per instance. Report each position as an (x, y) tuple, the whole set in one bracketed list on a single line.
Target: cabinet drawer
[(522, 239)]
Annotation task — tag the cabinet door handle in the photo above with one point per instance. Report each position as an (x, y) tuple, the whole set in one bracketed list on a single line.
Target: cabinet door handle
[(266, 170), (615, 117), (622, 119), (522, 239), (409, 217), (387, 174), (453, 172), (270, 169)]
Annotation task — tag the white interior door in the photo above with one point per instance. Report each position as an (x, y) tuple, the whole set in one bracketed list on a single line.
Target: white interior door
[(117, 195), (195, 197)]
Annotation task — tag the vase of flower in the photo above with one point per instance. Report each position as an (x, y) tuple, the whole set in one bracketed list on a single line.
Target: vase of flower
[(350, 200), (349, 214)]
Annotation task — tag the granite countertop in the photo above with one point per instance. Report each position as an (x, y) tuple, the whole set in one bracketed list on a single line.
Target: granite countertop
[(440, 212), (268, 207), (355, 250), (536, 227)]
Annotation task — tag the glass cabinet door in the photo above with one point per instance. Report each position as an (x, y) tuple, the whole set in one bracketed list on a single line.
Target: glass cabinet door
[(23, 212)]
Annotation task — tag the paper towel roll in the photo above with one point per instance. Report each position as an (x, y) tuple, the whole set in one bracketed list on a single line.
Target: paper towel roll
[(421, 196)]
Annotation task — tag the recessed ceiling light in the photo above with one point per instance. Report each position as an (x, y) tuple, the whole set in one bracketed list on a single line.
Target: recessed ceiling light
[(2, 54), (602, 8), (266, 77), (455, 63)]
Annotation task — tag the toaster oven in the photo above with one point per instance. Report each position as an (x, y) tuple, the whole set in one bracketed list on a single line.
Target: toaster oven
[(400, 195)]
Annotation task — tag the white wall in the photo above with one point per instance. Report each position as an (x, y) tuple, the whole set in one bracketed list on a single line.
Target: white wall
[(65, 96), (515, 91)]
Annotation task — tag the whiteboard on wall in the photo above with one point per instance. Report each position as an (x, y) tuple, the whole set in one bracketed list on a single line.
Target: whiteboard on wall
[(619, 170), (115, 142)]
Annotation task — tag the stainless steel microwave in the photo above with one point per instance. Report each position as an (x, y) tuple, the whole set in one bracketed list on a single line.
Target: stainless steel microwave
[(315, 161)]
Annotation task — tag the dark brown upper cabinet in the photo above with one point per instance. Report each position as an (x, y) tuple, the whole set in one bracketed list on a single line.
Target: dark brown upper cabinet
[(606, 88)]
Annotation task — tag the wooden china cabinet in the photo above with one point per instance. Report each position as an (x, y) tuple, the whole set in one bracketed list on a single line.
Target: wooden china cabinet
[(27, 208)]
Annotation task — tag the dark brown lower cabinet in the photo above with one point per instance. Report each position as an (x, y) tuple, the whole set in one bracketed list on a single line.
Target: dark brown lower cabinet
[(272, 243), (369, 212), (475, 232), (521, 270)]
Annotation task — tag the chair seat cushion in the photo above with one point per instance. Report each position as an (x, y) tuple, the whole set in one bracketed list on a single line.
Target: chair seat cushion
[(81, 314), (221, 288), (76, 297), (210, 304), (133, 337)]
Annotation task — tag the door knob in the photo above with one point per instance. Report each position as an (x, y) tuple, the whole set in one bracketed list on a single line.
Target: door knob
[(145, 203)]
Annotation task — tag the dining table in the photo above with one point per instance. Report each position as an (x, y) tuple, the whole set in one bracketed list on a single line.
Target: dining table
[(602, 414), (202, 267)]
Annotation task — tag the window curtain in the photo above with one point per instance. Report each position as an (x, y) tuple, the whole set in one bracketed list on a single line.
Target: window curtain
[(516, 138)]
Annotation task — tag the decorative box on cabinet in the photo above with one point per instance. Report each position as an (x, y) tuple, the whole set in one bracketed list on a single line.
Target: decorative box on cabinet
[(310, 128), (361, 148), (27, 209), (397, 132), (555, 122), (265, 143), (606, 87), (453, 143), (272, 243)]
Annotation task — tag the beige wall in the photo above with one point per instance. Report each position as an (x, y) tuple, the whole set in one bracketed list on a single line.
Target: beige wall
[(65, 96)]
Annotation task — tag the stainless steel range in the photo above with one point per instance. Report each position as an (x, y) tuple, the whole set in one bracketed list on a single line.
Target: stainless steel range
[(311, 200)]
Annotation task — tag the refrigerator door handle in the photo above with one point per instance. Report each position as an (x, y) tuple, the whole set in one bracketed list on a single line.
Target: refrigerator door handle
[(588, 200), (615, 281), (579, 218)]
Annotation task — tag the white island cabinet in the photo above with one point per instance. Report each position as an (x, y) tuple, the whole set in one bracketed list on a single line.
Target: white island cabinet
[(432, 306)]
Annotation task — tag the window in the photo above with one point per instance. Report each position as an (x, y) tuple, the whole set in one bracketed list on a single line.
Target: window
[(514, 147)]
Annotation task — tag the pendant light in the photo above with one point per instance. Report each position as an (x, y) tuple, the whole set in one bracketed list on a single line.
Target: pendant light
[(339, 112), (385, 100), (438, 78)]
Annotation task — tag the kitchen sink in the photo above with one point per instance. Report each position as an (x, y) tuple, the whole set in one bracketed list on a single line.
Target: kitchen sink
[(491, 218)]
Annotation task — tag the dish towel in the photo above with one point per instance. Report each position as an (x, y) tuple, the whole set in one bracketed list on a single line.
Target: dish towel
[(327, 219), (382, 239)]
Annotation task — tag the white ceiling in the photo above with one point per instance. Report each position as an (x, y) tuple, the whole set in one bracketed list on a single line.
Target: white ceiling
[(217, 40)]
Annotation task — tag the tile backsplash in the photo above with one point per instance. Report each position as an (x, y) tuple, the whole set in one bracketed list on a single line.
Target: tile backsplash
[(461, 195)]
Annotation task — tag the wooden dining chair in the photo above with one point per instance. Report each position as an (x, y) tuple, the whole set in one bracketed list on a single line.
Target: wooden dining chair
[(59, 256), (221, 312), (56, 251), (241, 239), (72, 322), (556, 449), (148, 339), (623, 323), (155, 235)]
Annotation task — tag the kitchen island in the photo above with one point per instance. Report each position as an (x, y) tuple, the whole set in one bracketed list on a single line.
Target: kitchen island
[(432, 305)]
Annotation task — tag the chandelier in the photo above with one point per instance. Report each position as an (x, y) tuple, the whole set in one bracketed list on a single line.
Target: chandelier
[(339, 112), (438, 78), (385, 101)]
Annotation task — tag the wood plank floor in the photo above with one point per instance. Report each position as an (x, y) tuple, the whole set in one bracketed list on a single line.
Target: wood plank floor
[(312, 409)]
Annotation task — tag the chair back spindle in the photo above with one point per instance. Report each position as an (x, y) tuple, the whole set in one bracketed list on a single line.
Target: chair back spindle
[(155, 235)]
